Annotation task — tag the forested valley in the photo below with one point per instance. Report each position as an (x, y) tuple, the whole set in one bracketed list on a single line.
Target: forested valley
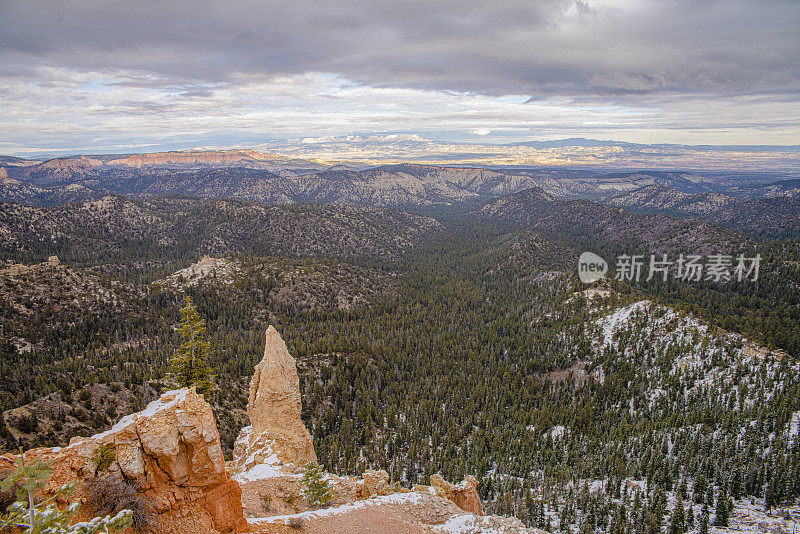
[(460, 346)]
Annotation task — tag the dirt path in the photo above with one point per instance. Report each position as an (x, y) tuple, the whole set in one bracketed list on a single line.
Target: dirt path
[(411, 513)]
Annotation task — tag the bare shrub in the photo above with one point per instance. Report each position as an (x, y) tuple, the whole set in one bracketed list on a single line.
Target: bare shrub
[(297, 522), (6, 499), (109, 495)]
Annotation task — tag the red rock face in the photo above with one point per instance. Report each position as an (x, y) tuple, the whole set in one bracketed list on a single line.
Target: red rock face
[(172, 451), (215, 157)]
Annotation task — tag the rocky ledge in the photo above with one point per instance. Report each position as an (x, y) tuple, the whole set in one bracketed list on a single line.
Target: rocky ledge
[(171, 452)]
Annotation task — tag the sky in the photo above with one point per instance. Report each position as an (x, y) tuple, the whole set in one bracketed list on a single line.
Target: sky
[(111, 76)]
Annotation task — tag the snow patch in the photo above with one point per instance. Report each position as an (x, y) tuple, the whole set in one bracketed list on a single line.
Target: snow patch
[(619, 319), (794, 427), (167, 401), (259, 472), (412, 497)]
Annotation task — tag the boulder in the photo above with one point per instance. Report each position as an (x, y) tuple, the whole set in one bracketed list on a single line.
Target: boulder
[(375, 483), (464, 494), (172, 451), (277, 435)]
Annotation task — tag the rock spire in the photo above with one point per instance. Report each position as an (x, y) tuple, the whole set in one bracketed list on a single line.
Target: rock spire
[(277, 434)]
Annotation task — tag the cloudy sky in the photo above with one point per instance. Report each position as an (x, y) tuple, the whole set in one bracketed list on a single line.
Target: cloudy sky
[(105, 75)]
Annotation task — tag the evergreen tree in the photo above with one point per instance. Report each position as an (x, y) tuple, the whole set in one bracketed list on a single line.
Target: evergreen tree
[(563, 521), (677, 523), (721, 513), (704, 520), (796, 471), (189, 364), (659, 509), (710, 495), (540, 515), (736, 484), (316, 489), (700, 487), (530, 505), (769, 496), (683, 488)]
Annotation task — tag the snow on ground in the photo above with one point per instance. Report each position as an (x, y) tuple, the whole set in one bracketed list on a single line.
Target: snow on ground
[(750, 516), (258, 472), (471, 524), (263, 459), (459, 524), (219, 268), (244, 437), (414, 511), (702, 358), (412, 497), (619, 320), (794, 427), (590, 294), (167, 401)]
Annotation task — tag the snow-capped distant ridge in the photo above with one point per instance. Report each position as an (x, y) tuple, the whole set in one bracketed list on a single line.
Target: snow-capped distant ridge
[(384, 138)]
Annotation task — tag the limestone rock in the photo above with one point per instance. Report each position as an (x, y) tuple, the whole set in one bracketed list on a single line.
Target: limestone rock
[(277, 435), (172, 451), (375, 483), (464, 494), (274, 401)]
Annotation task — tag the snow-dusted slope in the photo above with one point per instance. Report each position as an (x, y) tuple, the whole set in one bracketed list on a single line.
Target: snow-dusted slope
[(683, 360)]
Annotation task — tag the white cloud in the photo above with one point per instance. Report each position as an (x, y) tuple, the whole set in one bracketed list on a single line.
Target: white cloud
[(100, 111), (480, 131)]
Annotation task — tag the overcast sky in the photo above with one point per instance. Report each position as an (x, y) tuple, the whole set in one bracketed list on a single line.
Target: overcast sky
[(103, 75)]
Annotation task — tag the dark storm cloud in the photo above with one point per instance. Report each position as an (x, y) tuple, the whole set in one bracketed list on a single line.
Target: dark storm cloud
[(514, 47)]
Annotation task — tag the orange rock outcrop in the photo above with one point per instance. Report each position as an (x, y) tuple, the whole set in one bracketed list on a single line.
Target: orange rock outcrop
[(277, 434), (172, 451), (464, 494)]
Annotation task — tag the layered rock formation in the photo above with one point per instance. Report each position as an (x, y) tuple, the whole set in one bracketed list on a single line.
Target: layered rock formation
[(171, 450), (277, 435)]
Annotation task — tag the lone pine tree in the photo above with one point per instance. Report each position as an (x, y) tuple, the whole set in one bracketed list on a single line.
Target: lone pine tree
[(316, 489), (189, 364)]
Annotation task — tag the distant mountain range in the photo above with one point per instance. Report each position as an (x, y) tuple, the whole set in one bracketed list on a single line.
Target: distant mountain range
[(601, 155), (759, 204), (274, 178), (593, 224), (576, 152), (115, 229)]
